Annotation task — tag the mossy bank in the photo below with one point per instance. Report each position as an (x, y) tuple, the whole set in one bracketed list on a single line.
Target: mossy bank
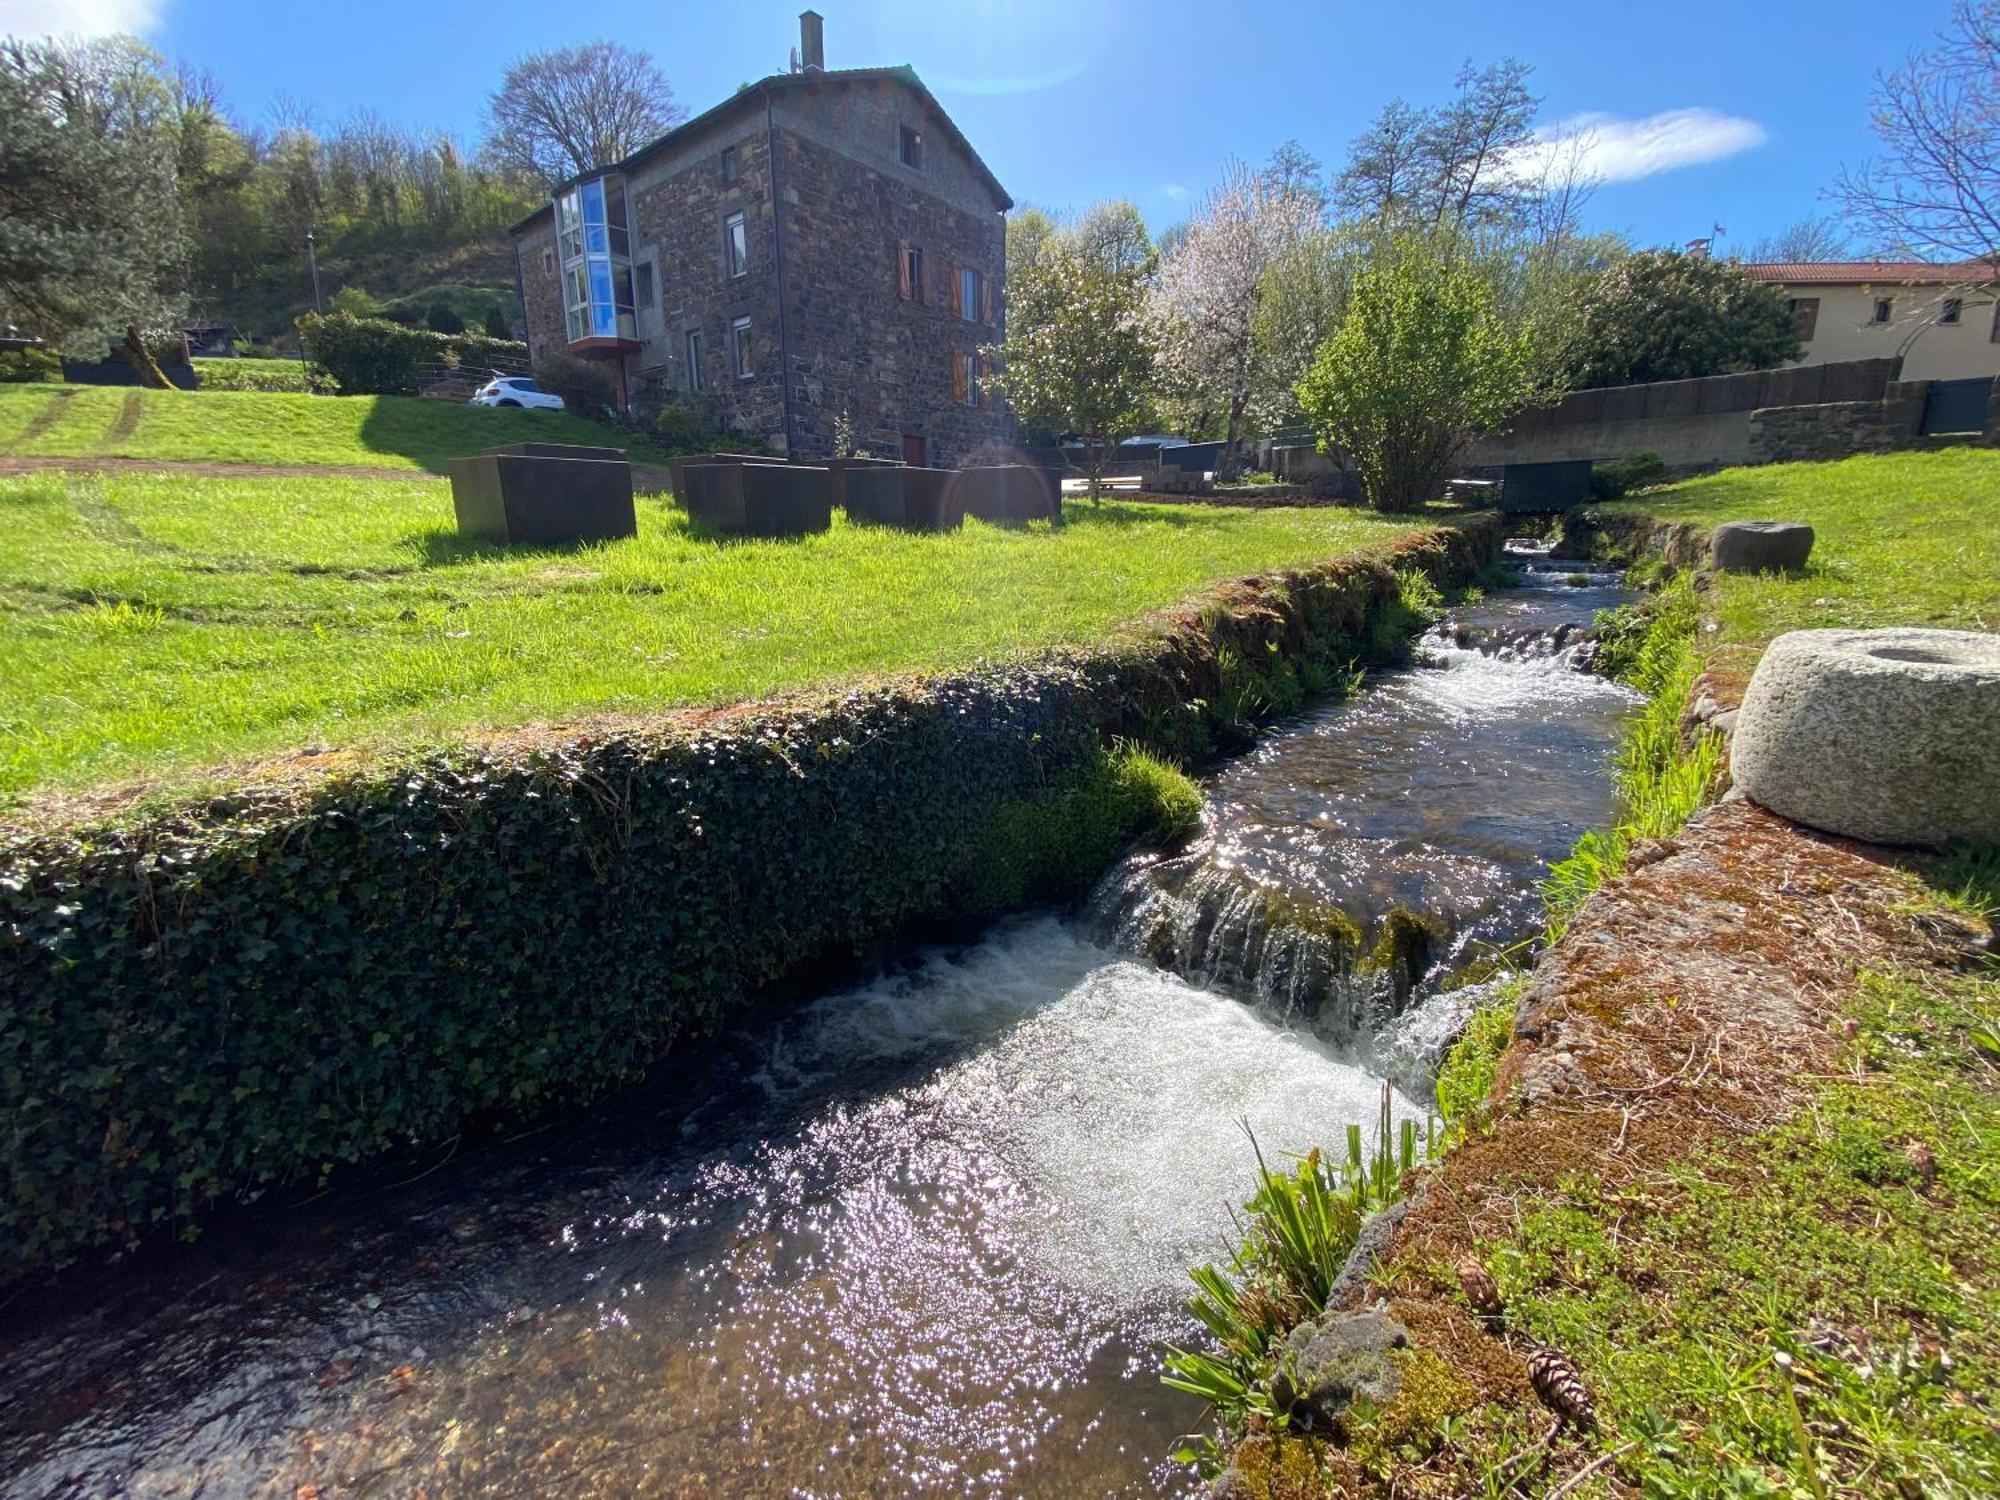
[(208, 1000)]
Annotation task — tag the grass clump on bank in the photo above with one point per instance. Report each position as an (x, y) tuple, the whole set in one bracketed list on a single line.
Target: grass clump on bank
[(1663, 779), (157, 624), (267, 427)]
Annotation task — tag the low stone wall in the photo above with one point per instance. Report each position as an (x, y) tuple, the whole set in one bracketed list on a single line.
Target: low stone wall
[(204, 1001), (1839, 429)]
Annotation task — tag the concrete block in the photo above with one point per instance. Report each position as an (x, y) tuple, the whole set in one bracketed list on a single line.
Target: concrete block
[(761, 499), (1003, 492), (543, 498)]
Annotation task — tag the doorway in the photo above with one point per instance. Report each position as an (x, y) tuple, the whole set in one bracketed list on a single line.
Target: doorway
[(913, 451)]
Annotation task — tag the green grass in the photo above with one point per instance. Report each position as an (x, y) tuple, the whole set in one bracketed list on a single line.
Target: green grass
[(385, 432), (156, 624), (1902, 539), (1818, 1243)]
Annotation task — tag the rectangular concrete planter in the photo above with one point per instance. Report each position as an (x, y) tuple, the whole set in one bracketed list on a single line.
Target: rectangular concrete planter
[(840, 468), (677, 467), (1545, 487), (892, 495), (1004, 492), (543, 494), (758, 499)]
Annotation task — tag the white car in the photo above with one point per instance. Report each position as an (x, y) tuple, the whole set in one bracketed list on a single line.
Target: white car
[(515, 390)]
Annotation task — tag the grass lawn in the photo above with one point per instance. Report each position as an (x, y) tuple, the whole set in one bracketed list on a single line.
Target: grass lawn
[(386, 432), (156, 623), (1902, 539)]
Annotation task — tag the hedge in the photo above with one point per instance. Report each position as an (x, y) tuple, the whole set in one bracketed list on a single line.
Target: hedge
[(204, 1003), (374, 357)]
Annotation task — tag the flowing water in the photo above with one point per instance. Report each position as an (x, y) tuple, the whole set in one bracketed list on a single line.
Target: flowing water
[(924, 1236)]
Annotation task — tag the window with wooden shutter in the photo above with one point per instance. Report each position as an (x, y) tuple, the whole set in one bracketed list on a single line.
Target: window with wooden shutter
[(951, 281), (985, 300), (1806, 311), (960, 376), (903, 270)]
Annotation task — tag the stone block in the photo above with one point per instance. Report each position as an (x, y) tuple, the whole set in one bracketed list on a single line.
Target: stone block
[(542, 494), (1892, 736), (759, 499), (1002, 492), (1760, 546)]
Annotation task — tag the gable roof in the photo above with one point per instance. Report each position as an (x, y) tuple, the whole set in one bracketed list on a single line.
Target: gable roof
[(1868, 272), (757, 94)]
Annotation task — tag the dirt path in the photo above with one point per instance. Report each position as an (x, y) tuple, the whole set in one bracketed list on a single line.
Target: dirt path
[(644, 479)]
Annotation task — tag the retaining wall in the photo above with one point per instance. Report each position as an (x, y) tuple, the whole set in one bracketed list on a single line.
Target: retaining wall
[(205, 1001)]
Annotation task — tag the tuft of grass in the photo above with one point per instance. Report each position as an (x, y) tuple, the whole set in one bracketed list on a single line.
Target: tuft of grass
[(1662, 779), (270, 427), (1465, 1077), (348, 613)]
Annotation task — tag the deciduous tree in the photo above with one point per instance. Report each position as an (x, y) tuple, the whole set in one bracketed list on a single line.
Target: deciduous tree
[(1076, 359), (1665, 315), (576, 109), (1424, 358), (1935, 193)]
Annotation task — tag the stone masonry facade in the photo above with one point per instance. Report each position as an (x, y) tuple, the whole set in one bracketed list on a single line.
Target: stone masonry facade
[(836, 224)]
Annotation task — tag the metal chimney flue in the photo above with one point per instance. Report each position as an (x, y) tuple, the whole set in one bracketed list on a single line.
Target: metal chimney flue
[(812, 42)]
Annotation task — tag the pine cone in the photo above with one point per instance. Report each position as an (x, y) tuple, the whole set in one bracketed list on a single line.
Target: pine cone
[(1561, 1388), (1481, 1294), (1919, 1156)]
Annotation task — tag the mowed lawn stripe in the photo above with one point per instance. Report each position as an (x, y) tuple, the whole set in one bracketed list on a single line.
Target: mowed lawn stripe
[(155, 625)]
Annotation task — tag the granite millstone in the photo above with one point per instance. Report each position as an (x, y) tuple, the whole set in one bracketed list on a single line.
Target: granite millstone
[(1760, 546), (1892, 736)]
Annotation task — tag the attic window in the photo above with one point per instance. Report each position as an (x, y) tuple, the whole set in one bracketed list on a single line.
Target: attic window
[(909, 146), (1953, 309), (1885, 308)]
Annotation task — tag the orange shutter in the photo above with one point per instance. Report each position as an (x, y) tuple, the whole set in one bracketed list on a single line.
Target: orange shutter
[(958, 374), (985, 298), (957, 301), (903, 270)]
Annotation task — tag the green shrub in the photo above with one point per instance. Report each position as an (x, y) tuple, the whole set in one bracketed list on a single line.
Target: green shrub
[(263, 375), (1619, 476), (679, 427), (375, 357), (440, 318), (29, 366), (496, 325), (585, 385)]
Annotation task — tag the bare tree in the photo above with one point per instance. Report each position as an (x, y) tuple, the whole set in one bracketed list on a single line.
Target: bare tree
[(1936, 191), (1809, 239), (557, 114), (1294, 172), (1553, 211), (1457, 166)]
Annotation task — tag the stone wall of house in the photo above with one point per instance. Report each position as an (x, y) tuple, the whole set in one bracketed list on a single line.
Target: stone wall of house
[(541, 289), (859, 348), (1837, 429), (678, 213)]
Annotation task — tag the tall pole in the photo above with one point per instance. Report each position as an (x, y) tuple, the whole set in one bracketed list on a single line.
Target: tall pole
[(312, 259)]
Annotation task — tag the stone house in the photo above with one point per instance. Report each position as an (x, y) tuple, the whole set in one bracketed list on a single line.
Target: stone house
[(822, 245), (1943, 320)]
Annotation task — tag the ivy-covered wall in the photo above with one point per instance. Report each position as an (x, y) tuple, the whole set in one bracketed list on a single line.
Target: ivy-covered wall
[(202, 1005)]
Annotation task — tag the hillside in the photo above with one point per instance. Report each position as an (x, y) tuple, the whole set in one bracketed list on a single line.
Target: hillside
[(380, 432)]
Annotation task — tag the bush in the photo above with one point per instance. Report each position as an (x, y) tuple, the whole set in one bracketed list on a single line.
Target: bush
[(585, 385), (374, 357), (441, 319), (680, 428), (1619, 476), (263, 375), (29, 366), (496, 325)]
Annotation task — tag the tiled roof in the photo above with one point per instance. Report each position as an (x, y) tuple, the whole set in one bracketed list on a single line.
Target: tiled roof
[(1864, 272)]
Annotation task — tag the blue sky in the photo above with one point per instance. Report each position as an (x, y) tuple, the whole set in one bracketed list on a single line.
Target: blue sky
[(1736, 113)]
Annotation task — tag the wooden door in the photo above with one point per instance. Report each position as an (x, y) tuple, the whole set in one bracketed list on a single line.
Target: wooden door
[(913, 450)]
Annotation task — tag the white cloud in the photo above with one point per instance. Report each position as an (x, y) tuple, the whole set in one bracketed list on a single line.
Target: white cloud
[(29, 18), (1175, 191), (1621, 150)]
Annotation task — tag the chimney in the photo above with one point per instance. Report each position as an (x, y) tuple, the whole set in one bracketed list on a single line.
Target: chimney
[(812, 41)]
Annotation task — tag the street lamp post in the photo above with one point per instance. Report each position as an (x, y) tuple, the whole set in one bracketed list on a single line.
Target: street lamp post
[(312, 259)]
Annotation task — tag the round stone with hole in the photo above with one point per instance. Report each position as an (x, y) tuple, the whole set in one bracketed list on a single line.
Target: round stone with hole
[(1892, 736)]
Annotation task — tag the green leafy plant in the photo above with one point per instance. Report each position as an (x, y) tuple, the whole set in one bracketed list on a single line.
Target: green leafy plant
[(373, 356)]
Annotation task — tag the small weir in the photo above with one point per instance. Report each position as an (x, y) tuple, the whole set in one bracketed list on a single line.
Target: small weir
[(924, 1236)]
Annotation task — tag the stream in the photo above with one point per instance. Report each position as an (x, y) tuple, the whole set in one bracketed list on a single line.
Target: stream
[(924, 1236)]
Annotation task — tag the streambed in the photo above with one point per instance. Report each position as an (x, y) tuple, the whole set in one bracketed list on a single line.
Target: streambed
[(923, 1236)]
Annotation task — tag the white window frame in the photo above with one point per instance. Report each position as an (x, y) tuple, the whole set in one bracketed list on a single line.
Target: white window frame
[(739, 349), (691, 348), (736, 259)]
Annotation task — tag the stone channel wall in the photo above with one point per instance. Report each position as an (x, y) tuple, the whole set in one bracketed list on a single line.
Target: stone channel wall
[(205, 1002)]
